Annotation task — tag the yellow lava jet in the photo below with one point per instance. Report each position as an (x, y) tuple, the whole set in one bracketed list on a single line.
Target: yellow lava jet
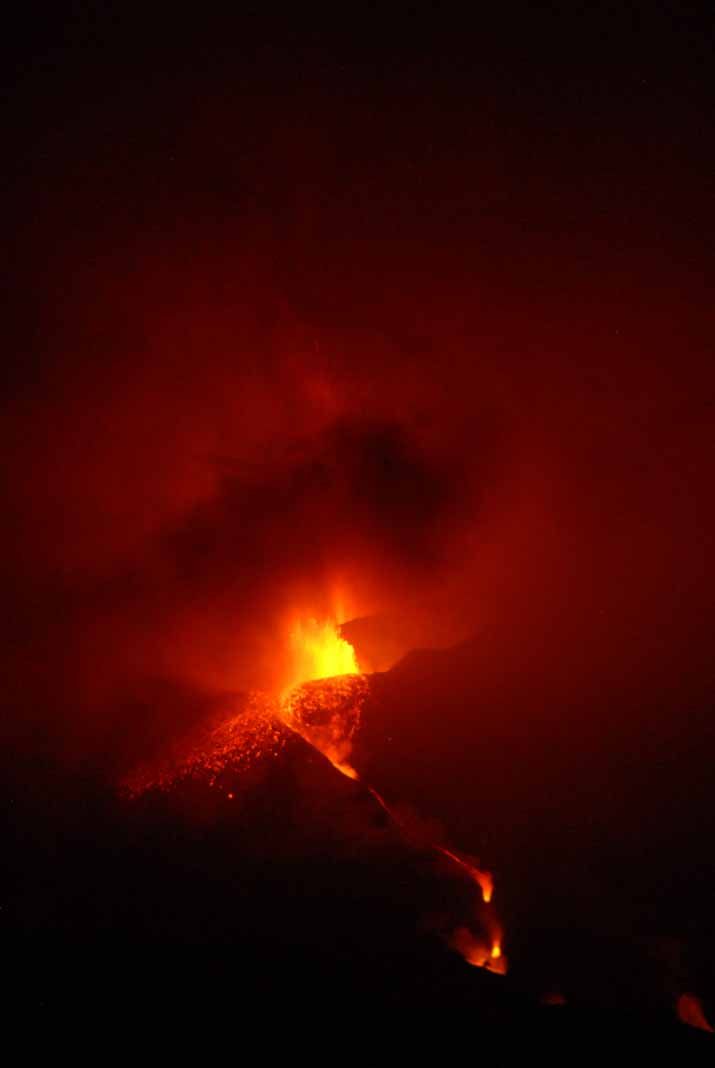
[(317, 651)]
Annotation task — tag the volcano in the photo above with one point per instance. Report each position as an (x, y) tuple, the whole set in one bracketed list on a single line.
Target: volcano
[(357, 536), (257, 858)]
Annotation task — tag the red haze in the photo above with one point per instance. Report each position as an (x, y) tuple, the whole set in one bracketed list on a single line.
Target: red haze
[(463, 377)]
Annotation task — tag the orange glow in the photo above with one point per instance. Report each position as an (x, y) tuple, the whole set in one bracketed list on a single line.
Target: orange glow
[(486, 883), (497, 961), (322, 702), (323, 705), (690, 1011), (326, 713), (483, 879), (474, 952), (478, 953), (317, 651)]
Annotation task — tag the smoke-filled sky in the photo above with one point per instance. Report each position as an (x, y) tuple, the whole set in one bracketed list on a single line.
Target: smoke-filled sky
[(406, 314)]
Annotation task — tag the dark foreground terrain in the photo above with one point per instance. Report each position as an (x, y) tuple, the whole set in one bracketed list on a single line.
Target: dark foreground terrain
[(297, 898)]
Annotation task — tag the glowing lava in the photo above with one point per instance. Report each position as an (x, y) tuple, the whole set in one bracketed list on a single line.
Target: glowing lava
[(326, 713), (483, 879), (322, 703), (318, 651), (478, 953)]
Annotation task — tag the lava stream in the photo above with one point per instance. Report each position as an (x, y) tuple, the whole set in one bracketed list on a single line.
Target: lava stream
[(326, 714)]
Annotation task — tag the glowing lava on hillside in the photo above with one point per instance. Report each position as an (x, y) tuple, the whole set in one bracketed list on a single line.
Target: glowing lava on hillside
[(322, 703), (325, 711)]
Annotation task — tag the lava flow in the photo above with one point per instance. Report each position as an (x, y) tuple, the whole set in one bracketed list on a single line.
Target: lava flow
[(321, 703), (325, 711)]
